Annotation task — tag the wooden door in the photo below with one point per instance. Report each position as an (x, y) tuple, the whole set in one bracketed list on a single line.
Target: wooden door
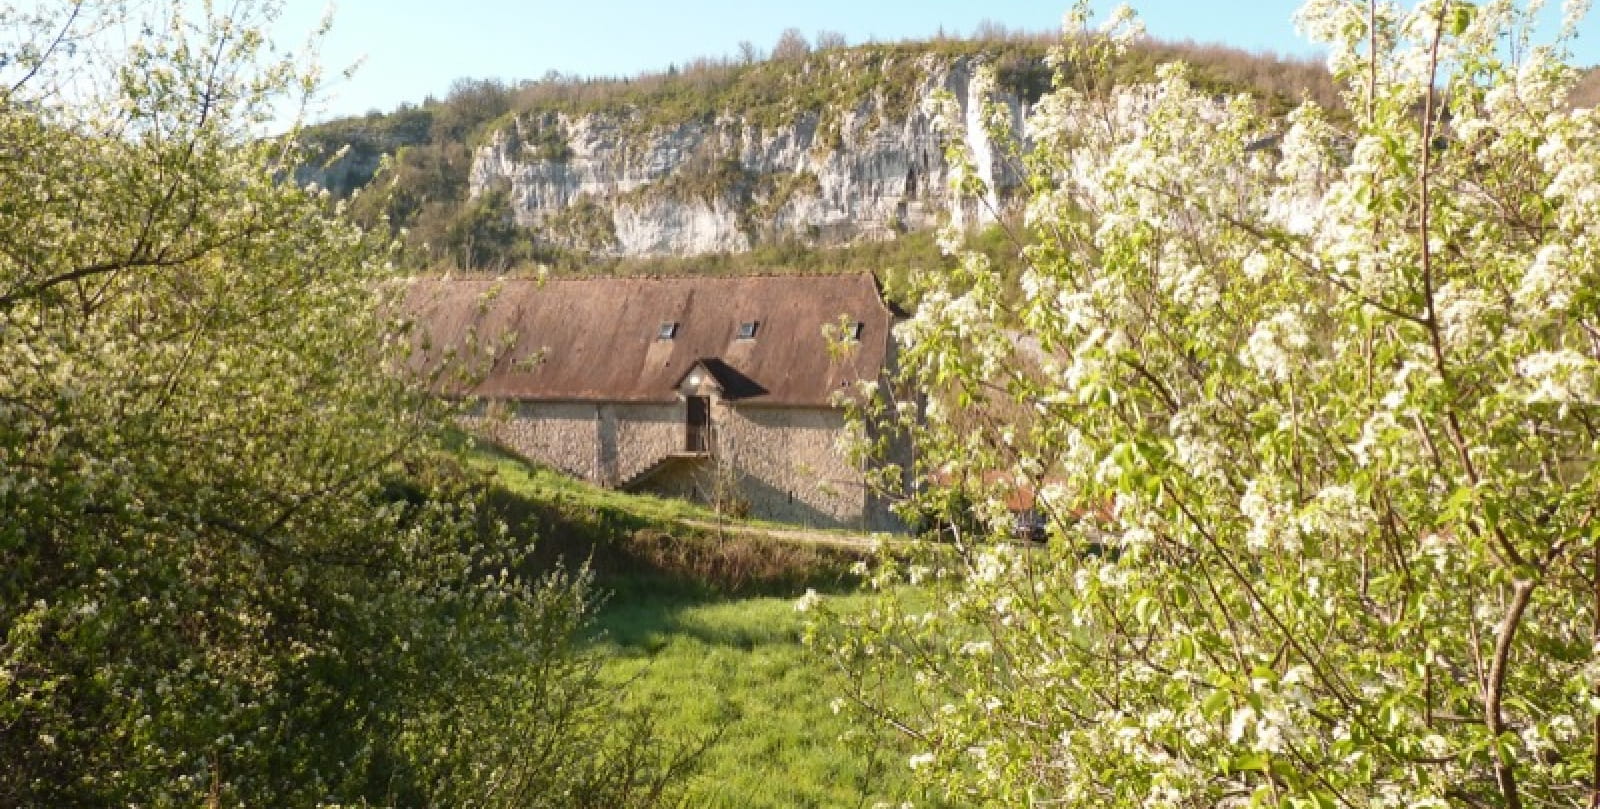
[(698, 437)]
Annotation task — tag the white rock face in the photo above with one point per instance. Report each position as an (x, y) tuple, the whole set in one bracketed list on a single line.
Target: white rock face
[(726, 185), (669, 227)]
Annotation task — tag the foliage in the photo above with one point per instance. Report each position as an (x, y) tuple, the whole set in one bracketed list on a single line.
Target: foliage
[(484, 234), (1315, 428), (470, 104), (708, 176), (345, 155), (420, 159), (791, 46), (828, 80), (540, 139), (585, 225), (232, 569)]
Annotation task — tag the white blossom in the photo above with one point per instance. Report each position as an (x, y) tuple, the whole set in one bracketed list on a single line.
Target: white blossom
[(1255, 266), (1563, 377), (1273, 345), (1461, 313), (1243, 717), (808, 601), (1548, 284)]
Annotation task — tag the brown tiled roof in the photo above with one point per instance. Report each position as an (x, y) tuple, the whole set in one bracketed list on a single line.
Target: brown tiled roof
[(596, 339)]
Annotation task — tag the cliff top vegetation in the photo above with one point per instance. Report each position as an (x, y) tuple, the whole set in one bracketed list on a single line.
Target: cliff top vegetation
[(430, 145), (799, 76)]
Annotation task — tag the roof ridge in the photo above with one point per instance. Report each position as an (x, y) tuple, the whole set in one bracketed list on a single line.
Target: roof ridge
[(726, 277), (457, 276)]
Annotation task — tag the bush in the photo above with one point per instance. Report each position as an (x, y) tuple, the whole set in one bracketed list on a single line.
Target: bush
[(231, 569)]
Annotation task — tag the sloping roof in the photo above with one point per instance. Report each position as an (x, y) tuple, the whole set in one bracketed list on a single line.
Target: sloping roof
[(596, 339)]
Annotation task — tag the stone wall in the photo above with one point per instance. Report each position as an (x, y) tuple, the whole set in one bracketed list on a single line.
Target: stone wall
[(605, 444), (787, 463), (559, 434), (645, 433)]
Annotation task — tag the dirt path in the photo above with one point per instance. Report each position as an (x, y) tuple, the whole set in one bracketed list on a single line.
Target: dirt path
[(857, 542)]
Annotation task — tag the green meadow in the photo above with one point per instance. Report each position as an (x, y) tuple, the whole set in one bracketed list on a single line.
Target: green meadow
[(735, 667), (701, 628)]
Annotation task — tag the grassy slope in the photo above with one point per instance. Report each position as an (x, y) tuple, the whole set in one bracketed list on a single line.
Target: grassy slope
[(543, 484), (645, 510), (703, 630)]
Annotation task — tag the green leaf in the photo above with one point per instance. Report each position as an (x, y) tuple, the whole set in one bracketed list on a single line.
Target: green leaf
[(1145, 610), (1216, 703), (1249, 762)]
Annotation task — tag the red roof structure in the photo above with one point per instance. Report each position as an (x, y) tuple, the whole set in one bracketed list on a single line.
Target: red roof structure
[(633, 339)]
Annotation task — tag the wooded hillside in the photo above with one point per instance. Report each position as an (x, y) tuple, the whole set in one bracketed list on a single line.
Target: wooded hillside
[(424, 192)]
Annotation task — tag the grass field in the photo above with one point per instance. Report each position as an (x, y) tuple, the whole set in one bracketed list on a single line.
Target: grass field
[(736, 666), (702, 630)]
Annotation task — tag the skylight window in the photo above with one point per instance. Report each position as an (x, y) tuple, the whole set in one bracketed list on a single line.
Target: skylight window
[(856, 329), (668, 331), (747, 329)]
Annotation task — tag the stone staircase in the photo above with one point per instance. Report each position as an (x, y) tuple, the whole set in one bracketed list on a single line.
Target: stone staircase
[(662, 464)]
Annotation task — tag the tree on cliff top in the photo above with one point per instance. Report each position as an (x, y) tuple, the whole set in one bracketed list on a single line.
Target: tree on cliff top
[(791, 46)]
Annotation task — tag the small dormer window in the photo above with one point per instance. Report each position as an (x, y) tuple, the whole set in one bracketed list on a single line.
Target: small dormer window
[(668, 331), (856, 329), (747, 329)]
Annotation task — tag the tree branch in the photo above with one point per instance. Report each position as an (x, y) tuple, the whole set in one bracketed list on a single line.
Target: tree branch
[(1504, 772)]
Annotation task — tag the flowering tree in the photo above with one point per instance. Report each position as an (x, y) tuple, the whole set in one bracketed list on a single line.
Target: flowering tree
[(231, 569), (1312, 408)]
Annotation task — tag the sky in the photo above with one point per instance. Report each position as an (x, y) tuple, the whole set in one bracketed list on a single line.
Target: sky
[(410, 49)]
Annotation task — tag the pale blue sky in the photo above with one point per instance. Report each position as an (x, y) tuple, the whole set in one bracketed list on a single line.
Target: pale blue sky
[(413, 48)]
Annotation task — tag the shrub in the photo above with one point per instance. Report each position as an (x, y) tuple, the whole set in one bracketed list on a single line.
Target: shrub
[(232, 570)]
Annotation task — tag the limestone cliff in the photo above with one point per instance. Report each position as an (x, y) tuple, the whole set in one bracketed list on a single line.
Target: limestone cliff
[(818, 149), (866, 163)]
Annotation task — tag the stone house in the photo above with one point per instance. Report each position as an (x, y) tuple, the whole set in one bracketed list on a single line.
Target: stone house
[(722, 389)]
